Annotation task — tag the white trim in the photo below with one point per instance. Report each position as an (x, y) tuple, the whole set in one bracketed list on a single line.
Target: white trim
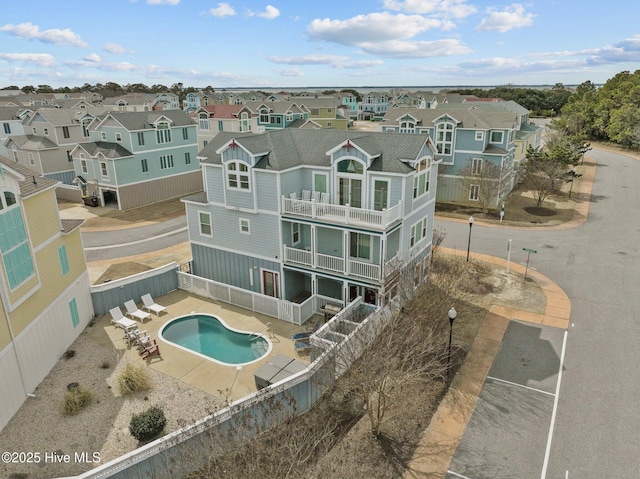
[(207, 213), (248, 222)]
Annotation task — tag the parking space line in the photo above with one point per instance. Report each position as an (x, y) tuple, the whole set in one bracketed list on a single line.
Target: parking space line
[(458, 475), (555, 409), (520, 385)]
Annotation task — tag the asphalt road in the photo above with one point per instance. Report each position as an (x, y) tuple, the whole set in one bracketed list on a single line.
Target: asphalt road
[(101, 245), (597, 423)]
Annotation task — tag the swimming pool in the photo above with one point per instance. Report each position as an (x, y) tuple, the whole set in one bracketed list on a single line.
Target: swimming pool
[(209, 336)]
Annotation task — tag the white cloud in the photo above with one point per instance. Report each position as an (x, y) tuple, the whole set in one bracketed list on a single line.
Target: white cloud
[(163, 2), (374, 27), (54, 35), (93, 57), (421, 49), (270, 13), (290, 72), (362, 64), (441, 8), (314, 59), (333, 60), (222, 10), (115, 48), (509, 18), (40, 59)]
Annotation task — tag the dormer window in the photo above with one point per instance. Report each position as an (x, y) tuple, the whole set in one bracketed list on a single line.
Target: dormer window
[(237, 175), (407, 127), (421, 178), (444, 138), (264, 116), (350, 166), (163, 132)]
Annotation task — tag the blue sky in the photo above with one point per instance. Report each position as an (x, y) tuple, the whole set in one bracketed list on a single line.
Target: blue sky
[(285, 43)]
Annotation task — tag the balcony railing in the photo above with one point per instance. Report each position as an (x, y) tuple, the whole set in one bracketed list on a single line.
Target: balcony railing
[(333, 264), (342, 214)]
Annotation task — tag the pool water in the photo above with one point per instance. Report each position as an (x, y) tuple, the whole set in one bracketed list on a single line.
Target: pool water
[(208, 336)]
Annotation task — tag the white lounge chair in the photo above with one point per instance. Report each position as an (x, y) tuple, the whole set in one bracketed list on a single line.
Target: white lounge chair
[(134, 312), (150, 305), (118, 319)]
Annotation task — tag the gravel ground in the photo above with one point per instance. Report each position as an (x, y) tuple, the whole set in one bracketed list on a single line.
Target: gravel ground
[(103, 427)]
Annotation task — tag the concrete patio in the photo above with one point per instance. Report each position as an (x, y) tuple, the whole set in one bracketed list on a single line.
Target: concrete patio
[(204, 374)]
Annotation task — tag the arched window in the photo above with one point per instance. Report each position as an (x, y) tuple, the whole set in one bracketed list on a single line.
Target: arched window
[(237, 175), (163, 132), (444, 138)]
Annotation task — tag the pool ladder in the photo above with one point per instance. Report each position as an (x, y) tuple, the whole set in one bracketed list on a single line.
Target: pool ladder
[(265, 328)]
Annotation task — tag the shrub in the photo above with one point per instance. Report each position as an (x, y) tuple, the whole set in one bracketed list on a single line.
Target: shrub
[(75, 400), (133, 379), (147, 424)]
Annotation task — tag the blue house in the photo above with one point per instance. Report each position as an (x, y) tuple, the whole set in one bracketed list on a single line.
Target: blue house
[(276, 115), (465, 139), (138, 158), (313, 216)]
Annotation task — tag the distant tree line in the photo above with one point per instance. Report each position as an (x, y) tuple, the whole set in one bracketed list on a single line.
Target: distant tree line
[(609, 113), (545, 102)]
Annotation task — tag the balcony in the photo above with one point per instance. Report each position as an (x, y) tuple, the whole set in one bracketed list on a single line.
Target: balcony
[(342, 214), (333, 264)]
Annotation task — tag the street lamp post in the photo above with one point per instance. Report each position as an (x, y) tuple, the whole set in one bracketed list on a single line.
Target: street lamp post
[(452, 317), (469, 243)]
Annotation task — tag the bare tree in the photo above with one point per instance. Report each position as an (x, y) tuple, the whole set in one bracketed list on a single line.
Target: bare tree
[(484, 180), (545, 173)]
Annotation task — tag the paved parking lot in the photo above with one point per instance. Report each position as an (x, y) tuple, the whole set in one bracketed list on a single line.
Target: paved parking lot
[(509, 430)]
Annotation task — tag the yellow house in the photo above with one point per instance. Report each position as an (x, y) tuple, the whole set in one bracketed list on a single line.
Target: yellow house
[(45, 300)]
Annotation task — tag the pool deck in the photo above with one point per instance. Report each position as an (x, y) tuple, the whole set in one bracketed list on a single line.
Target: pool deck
[(204, 374)]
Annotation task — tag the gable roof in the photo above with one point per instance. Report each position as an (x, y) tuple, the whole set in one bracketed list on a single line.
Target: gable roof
[(144, 120), (32, 183), (104, 148), (31, 142), (288, 148), (466, 117)]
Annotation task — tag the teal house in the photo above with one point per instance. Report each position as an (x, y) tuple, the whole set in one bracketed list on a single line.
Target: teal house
[(138, 158), (313, 217), (466, 139)]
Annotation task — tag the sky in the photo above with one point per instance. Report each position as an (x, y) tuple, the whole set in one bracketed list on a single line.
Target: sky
[(316, 43)]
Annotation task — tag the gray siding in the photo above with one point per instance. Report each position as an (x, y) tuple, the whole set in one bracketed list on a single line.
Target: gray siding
[(162, 189), (231, 154), (267, 188), (263, 240), (214, 177), (241, 198), (293, 181), (230, 268)]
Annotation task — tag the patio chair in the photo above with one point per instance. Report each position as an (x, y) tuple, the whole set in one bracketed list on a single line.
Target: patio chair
[(150, 305), (300, 336), (151, 348), (316, 196), (120, 321), (134, 312), (306, 195), (302, 346)]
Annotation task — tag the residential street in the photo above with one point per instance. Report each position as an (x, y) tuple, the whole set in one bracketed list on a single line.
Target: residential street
[(597, 264)]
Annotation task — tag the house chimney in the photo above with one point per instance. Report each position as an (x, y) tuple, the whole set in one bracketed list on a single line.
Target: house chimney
[(34, 181)]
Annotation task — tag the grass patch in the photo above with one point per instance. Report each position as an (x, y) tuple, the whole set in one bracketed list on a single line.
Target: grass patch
[(75, 400), (133, 378)]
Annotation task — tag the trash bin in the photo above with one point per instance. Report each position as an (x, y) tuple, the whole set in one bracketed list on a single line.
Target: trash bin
[(91, 200)]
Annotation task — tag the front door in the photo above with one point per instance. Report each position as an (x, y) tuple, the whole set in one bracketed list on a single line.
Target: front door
[(270, 283)]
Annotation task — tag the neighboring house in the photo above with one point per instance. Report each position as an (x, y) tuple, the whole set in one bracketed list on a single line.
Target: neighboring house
[(463, 137), (350, 101), (143, 102), (326, 112), (138, 158), (10, 125), (45, 301), (212, 119), (50, 135), (373, 105), (323, 214), (276, 115)]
